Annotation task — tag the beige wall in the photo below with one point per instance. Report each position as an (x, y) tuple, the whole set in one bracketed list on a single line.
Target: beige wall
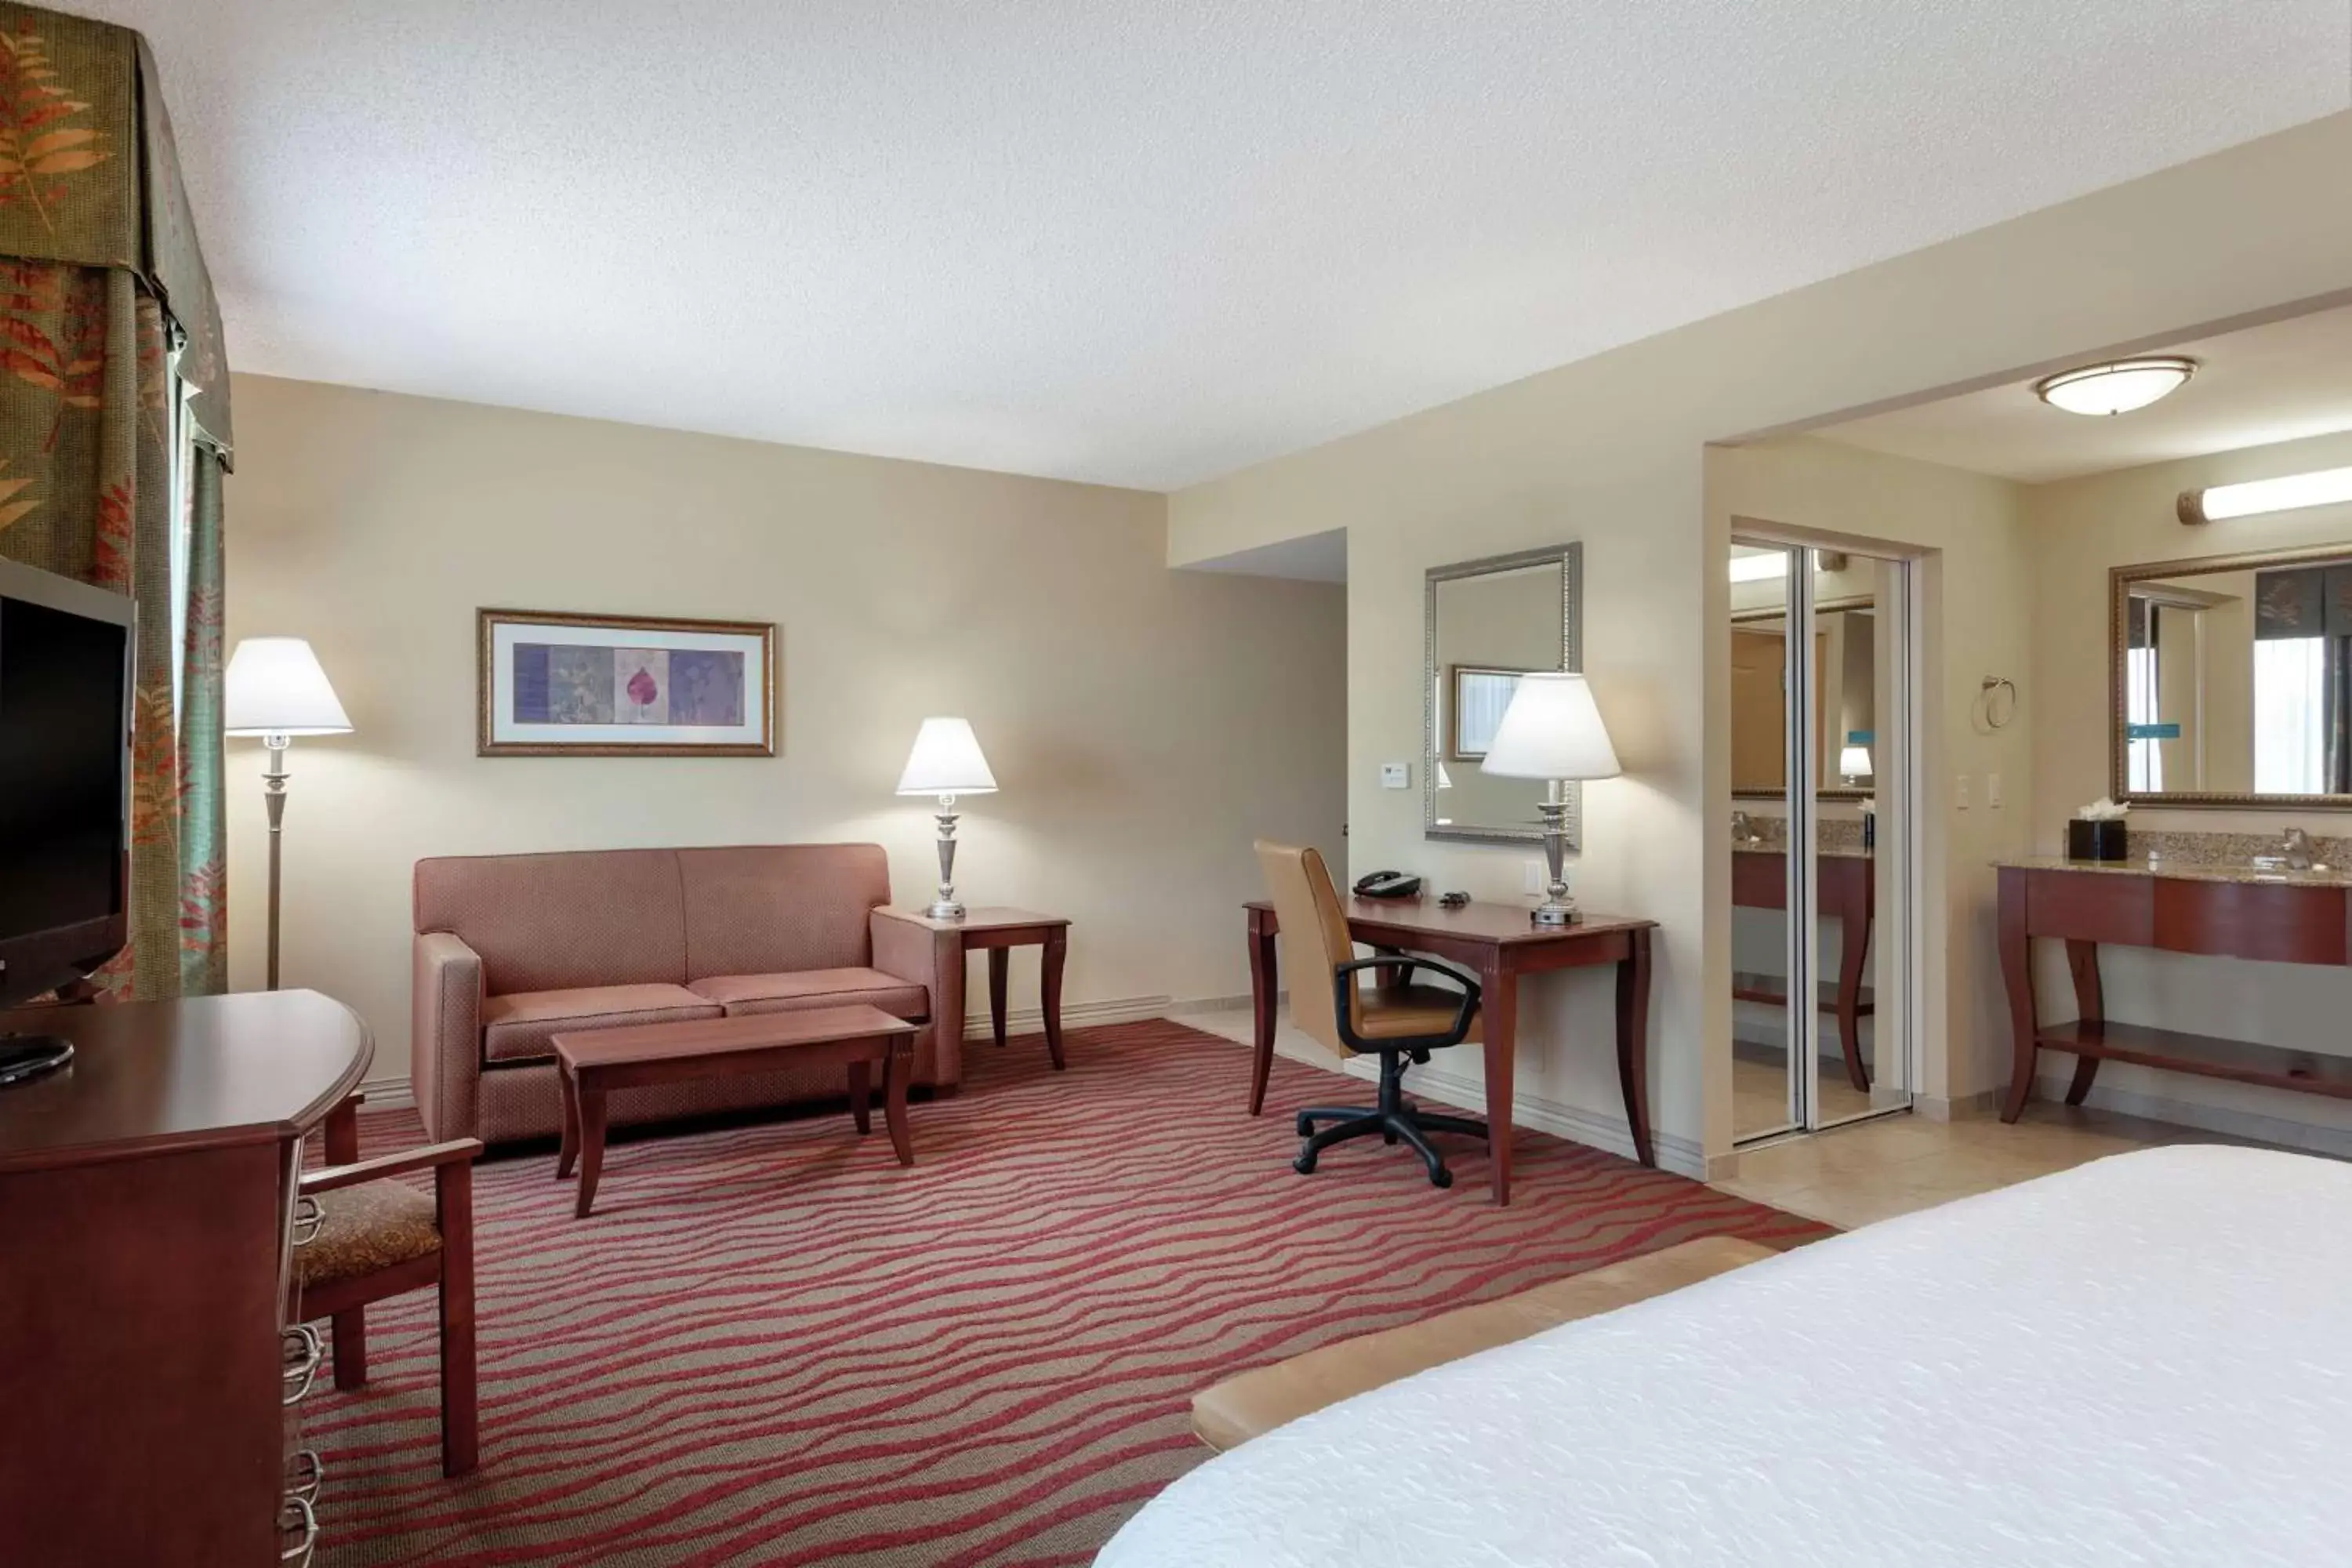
[(1144, 723), (1608, 450), (2078, 528)]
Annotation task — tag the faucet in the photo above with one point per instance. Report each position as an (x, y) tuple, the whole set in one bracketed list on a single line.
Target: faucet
[(2294, 848), (1741, 833)]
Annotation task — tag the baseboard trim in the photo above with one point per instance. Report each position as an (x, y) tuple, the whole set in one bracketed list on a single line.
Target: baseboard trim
[(1074, 1015), (389, 1094), (1680, 1155)]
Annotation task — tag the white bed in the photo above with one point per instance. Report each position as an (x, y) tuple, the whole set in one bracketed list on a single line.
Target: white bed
[(2147, 1360)]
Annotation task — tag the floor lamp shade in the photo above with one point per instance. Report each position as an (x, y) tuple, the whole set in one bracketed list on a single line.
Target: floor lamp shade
[(1552, 730), (274, 686)]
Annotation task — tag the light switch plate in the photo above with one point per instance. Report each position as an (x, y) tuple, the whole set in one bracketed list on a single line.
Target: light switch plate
[(1993, 792), (1961, 793), (1396, 776), (1535, 876)]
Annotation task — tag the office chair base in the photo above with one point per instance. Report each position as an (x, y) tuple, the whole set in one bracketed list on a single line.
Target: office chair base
[(1394, 1123)]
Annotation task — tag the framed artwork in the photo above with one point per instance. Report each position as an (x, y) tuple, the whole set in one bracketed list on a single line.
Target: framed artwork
[(1480, 695), (549, 684)]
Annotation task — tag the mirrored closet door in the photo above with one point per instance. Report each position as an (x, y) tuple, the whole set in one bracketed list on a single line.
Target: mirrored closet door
[(1821, 698)]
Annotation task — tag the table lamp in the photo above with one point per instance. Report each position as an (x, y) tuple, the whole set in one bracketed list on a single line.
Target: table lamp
[(946, 761), (275, 688), (1552, 731), (1854, 762)]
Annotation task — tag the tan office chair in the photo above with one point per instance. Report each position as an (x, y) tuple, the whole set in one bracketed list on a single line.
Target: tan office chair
[(1400, 1021)]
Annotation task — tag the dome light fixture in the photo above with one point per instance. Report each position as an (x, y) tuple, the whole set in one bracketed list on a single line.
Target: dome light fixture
[(2116, 387)]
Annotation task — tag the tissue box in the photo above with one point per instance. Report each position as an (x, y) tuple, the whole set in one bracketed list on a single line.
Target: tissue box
[(2095, 840)]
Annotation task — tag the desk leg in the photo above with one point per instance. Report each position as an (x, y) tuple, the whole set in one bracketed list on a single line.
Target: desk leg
[(1264, 986), (1500, 1012), (2082, 960), (2016, 979), (1049, 990), (1000, 959), (1634, 1042)]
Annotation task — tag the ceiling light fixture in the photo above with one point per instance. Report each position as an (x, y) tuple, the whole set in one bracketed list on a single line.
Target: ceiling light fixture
[(2116, 387), (2325, 488)]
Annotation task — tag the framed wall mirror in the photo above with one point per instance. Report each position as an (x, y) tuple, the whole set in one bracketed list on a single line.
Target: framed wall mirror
[(1486, 624), (2232, 680)]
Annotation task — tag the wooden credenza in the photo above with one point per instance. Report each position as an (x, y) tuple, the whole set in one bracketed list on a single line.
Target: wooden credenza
[(146, 1226), (2286, 920)]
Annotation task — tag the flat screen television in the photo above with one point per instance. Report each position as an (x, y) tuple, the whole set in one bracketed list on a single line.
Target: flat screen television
[(65, 778)]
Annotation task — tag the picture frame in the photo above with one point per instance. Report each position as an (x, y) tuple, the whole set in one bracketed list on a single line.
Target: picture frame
[(1480, 693), (556, 683)]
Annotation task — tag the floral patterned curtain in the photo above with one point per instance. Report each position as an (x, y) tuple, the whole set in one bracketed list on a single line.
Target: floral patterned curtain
[(107, 324)]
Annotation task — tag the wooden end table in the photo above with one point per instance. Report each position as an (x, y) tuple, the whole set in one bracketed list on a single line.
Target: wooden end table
[(591, 1063), (996, 931)]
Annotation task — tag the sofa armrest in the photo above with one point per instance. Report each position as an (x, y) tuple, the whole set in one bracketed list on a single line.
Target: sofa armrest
[(930, 955), (444, 1059)]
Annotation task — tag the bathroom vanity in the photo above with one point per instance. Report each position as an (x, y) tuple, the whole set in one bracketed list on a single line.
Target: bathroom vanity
[(2223, 911)]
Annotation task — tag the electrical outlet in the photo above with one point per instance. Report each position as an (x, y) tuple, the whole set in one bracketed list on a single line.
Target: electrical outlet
[(1993, 792), (1537, 876), (1396, 776), (1961, 793)]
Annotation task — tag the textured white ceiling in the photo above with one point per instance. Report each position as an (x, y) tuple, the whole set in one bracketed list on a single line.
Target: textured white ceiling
[(1143, 243), (2278, 381)]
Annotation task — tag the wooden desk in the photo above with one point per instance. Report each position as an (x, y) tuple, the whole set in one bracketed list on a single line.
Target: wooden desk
[(996, 931), (2298, 919), (148, 1198), (1501, 944), (1845, 885)]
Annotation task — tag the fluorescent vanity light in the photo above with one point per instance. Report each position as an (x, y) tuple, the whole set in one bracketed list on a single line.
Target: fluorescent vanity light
[(1759, 568), (2114, 388), (2325, 488)]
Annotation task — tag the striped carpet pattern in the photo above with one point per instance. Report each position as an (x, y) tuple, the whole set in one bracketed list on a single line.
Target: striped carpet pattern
[(771, 1344)]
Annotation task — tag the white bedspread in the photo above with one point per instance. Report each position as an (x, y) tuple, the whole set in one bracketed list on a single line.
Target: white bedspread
[(2147, 1360)]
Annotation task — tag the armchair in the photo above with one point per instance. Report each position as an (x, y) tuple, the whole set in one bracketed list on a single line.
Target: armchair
[(379, 1237)]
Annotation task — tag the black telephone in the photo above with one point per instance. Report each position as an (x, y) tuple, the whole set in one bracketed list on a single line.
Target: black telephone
[(1389, 885)]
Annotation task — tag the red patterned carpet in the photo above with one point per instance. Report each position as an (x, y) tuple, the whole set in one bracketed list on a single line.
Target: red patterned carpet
[(772, 1345)]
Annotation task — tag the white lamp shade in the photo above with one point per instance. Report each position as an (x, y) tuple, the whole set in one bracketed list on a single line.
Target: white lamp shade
[(1552, 729), (1854, 762), (275, 687), (946, 761)]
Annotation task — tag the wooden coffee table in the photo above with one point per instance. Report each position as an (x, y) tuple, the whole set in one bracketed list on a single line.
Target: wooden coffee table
[(592, 1063)]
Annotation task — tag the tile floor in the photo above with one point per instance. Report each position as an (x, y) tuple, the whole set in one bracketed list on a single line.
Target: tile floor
[(1850, 1176)]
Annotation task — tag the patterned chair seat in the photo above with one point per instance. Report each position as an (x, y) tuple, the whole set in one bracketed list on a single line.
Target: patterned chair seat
[(370, 1227)]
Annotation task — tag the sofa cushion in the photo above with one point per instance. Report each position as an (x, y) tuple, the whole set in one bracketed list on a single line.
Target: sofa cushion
[(772, 907), (517, 1027), (799, 989), (546, 922)]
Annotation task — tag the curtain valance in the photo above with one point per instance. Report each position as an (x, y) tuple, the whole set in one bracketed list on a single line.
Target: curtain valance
[(90, 177)]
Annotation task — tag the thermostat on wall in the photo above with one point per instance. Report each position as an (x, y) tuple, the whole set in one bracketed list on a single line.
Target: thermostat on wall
[(1396, 776)]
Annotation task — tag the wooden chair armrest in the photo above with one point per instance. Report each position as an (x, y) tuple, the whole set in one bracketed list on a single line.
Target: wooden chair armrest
[(457, 1151)]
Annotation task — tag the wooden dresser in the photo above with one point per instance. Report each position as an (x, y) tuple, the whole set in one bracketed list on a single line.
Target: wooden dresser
[(146, 1225), (2280, 918)]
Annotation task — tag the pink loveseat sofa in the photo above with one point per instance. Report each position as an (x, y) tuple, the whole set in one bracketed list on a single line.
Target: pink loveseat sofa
[(511, 950)]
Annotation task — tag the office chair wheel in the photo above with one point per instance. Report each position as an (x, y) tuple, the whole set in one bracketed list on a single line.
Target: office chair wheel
[(1389, 1137), (1304, 1164), (1441, 1177)]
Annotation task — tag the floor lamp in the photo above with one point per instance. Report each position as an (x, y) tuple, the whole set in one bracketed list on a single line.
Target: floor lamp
[(275, 690)]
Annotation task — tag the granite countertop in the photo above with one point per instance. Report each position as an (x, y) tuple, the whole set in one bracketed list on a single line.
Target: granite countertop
[(2183, 871), (1826, 852)]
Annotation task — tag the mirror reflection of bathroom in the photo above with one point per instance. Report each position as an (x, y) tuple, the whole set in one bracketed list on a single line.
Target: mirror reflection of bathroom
[(1818, 689), (1764, 1101)]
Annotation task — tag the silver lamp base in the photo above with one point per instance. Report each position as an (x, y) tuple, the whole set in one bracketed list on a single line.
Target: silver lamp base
[(946, 907), (1557, 909)]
